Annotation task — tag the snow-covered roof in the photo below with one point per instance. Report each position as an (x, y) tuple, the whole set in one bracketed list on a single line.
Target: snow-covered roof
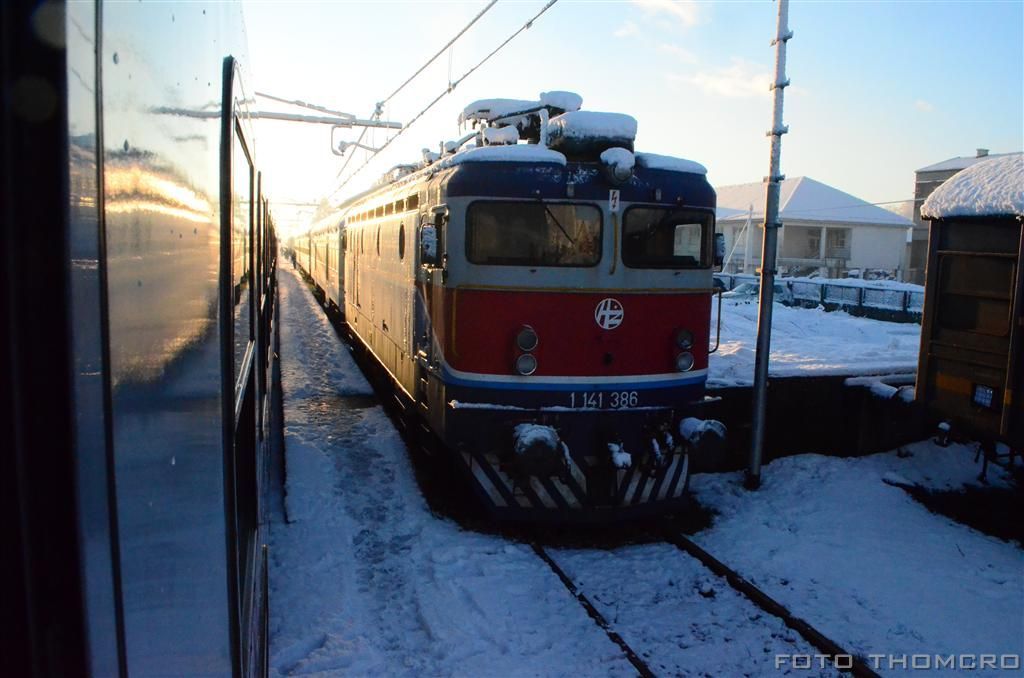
[(804, 199), (990, 188), (960, 162)]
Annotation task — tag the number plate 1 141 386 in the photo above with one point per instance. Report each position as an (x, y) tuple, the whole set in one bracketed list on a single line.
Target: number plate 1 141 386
[(600, 400)]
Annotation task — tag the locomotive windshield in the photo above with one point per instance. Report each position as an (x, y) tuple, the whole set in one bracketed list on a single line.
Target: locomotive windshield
[(533, 234), (660, 237)]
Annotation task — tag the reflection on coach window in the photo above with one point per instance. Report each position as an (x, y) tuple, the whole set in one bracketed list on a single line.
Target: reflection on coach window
[(658, 237), (533, 234), (242, 179)]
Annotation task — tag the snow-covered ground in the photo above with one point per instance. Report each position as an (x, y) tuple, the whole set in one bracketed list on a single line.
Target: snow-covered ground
[(365, 580), (808, 342), (864, 562)]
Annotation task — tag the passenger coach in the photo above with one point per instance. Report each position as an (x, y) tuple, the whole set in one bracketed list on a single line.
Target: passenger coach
[(139, 257)]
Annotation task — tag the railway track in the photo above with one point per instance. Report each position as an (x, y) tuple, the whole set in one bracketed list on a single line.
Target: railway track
[(422, 444), (827, 653)]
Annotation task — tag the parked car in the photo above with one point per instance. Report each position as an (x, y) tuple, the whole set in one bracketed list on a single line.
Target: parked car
[(749, 292)]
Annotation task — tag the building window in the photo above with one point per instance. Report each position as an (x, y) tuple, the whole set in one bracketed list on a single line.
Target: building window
[(838, 243)]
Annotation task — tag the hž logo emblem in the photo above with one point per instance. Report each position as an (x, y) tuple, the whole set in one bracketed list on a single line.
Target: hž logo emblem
[(609, 314)]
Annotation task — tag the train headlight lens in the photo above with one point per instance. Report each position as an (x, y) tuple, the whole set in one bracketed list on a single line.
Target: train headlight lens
[(527, 339), (684, 339), (526, 364), (684, 361)]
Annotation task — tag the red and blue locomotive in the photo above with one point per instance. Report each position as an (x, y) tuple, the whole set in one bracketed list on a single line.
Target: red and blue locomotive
[(544, 306)]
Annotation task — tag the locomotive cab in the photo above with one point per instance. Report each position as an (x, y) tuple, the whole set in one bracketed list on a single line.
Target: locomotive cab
[(576, 302)]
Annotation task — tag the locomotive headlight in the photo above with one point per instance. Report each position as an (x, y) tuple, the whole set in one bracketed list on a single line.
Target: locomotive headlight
[(622, 173), (526, 364), (684, 361), (527, 339), (684, 339)]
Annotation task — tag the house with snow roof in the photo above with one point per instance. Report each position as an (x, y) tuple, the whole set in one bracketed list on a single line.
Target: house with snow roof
[(926, 180), (824, 230)]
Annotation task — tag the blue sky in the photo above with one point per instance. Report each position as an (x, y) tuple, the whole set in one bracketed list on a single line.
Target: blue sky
[(879, 89)]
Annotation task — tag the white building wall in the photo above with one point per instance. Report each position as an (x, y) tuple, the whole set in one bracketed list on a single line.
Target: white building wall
[(877, 247)]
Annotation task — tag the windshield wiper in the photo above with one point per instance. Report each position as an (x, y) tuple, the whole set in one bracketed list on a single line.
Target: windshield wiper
[(557, 222)]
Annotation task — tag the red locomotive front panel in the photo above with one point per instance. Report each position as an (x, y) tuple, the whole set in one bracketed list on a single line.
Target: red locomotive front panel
[(604, 333)]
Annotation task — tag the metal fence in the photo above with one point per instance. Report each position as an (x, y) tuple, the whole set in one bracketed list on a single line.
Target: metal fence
[(859, 298)]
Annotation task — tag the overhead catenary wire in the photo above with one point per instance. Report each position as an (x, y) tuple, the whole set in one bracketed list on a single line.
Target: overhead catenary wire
[(380, 104), (439, 53), (449, 90)]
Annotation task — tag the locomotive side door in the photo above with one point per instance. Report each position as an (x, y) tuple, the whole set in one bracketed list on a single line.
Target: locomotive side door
[(339, 247), (429, 306)]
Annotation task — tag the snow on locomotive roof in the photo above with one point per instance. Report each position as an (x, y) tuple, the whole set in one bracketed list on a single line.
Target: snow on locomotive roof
[(618, 157), (593, 124), (517, 153), (667, 162), (501, 135), (496, 109), (567, 101), (988, 188)]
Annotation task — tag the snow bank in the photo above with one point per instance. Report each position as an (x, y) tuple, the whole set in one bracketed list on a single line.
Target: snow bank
[(807, 341), (988, 188), (873, 569), (667, 162), (852, 282)]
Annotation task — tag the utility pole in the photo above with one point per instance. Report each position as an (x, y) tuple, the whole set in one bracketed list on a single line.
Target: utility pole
[(768, 252), (747, 243)]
